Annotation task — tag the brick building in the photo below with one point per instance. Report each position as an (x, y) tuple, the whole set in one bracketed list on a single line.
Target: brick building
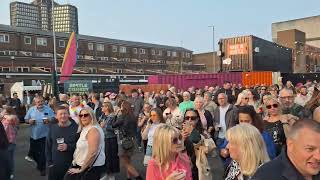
[(25, 50)]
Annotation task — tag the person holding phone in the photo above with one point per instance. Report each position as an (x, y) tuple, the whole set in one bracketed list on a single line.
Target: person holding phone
[(168, 160), (192, 130), (155, 120), (143, 121)]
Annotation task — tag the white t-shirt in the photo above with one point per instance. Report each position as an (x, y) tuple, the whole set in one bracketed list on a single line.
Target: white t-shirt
[(223, 111)]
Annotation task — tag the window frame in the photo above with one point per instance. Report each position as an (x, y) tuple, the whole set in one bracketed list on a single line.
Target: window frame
[(27, 37), (64, 43)]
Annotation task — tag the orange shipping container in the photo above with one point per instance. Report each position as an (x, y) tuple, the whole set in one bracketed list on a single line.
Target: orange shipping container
[(145, 88), (259, 77)]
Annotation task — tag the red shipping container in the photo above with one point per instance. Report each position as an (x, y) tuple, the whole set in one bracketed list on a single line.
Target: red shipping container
[(184, 81)]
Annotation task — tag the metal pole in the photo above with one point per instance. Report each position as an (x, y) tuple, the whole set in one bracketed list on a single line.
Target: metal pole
[(181, 59), (213, 49), (54, 71)]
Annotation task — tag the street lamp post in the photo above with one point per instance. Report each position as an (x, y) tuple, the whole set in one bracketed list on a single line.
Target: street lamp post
[(214, 64), (54, 63)]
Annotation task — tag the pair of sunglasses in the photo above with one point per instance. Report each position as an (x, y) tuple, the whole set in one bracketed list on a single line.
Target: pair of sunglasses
[(273, 105), (83, 115), (193, 118), (176, 140)]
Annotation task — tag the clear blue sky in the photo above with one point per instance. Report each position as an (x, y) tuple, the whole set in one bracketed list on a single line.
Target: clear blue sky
[(181, 22)]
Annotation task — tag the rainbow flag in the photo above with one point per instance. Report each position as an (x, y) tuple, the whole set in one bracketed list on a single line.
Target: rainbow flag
[(70, 59)]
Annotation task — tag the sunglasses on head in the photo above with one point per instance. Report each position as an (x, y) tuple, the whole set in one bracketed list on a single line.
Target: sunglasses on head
[(176, 140), (273, 105), (83, 115), (193, 118)]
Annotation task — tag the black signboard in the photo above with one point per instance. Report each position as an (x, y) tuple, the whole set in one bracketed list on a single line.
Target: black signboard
[(78, 87)]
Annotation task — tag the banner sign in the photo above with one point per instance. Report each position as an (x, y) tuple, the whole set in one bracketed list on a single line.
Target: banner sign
[(77, 87), (235, 49)]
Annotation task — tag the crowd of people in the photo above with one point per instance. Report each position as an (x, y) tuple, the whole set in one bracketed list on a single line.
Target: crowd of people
[(259, 133)]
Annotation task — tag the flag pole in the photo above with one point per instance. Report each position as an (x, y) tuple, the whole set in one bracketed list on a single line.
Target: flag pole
[(54, 69)]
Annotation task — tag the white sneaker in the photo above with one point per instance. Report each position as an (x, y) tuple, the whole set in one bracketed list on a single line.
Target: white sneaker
[(28, 159)]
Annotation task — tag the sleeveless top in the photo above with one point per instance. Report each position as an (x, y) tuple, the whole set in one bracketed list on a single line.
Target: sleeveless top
[(82, 148)]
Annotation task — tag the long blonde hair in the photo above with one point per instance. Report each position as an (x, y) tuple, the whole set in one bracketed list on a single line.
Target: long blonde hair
[(91, 114), (162, 142), (252, 148)]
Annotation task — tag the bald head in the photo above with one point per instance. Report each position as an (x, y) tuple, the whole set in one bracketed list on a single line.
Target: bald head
[(316, 114)]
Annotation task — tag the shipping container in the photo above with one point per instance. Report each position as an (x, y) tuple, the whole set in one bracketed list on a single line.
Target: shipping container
[(145, 88), (253, 78), (184, 81), (250, 53)]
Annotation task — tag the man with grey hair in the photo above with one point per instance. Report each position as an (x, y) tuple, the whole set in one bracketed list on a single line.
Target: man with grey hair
[(286, 99), (300, 160), (187, 103), (225, 117)]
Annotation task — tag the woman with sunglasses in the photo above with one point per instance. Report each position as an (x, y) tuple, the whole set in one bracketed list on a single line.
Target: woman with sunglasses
[(155, 120), (89, 156), (243, 99), (276, 124), (168, 162), (127, 124), (112, 159), (192, 130)]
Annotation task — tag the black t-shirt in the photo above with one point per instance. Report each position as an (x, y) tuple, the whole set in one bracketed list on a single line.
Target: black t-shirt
[(276, 131)]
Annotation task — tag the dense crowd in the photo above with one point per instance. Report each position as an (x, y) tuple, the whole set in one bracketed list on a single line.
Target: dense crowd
[(259, 133)]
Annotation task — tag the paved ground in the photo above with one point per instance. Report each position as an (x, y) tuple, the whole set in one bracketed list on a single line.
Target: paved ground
[(27, 171)]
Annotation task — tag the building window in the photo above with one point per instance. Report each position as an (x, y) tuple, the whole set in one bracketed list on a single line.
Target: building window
[(100, 47), (114, 48), (174, 54), (153, 52), (42, 41), (135, 51), (90, 46), (62, 43), (168, 53), (123, 49), (4, 38), (27, 40), (182, 54), (160, 53), (188, 55), (142, 51)]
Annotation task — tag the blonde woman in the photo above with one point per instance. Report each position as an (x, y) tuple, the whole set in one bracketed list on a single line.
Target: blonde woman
[(277, 124), (89, 156), (168, 162), (248, 151), (243, 99)]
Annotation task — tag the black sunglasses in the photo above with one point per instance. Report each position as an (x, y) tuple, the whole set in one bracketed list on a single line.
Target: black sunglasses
[(193, 118), (176, 140), (273, 105), (83, 115)]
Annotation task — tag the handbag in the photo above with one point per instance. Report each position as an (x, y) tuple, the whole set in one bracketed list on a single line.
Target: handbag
[(83, 175), (127, 143)]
